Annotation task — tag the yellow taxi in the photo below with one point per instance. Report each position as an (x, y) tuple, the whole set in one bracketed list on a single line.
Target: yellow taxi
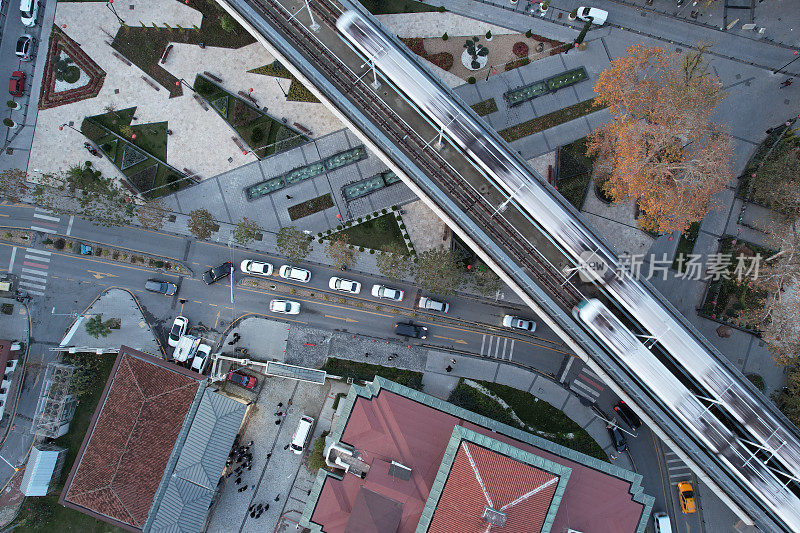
[(686, 494)]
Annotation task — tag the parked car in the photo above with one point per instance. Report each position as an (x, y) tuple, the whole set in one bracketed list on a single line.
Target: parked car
[(284, 306), (161, 287), (215, 274), (344, 285), (16, 85), (201, 358), (387, 293), (627, 415), (186, 348), (433, 305), (25, 47), (597, 16), (295, 274), (407, 329), (620, 442), (511, 321), (301, 434), (28, 11), (256, 268), (686, 494), (662, 523), (179, 326), (243, 380)]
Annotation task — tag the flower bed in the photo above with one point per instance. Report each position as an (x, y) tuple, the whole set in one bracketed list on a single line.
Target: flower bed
[(315, 205), (61, 44), (521, 62), (520, 49), (485, 108), (549, 121), (443, 60)]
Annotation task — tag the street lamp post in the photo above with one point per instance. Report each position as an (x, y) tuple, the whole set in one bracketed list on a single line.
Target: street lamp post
[(314, 26), (110, 6), (797, 56), (281, 86), (184, 82)]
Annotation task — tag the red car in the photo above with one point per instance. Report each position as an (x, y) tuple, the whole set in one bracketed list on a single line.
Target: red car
[(17, 83), (237, 378)]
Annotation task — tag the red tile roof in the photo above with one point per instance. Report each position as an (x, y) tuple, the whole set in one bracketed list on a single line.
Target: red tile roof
[(521, 491), (390, 426), (125, 452)]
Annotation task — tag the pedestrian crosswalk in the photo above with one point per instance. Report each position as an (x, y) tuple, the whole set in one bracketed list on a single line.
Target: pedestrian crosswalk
[(587, 385), (497, 347), (44, 221), (35, 267), (676, 468)]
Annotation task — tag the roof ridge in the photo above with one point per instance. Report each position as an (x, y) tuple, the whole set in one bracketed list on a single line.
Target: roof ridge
[(135, 377)]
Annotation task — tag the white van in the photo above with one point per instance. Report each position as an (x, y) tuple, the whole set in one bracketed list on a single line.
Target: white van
[(301, 434), (186, 348), (662, 523), (28, 10)]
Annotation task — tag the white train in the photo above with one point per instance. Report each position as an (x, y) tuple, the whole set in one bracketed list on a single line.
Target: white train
[(555, 221)]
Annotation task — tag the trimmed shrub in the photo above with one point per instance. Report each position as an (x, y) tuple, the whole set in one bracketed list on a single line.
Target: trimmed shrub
[(520, 49), (471, 80), (360, 248)]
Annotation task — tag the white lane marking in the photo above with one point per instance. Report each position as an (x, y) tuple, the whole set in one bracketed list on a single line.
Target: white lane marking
[(37, 293), (566, 369), (511, 349), (586, 370), (69, 226), (46, 217), (43, 230), (35, 272), (483, 340), (34, 285), (505, 345), (34, 250), (496, 347), (43, 259), (584, 390), (33, 278), (13, 255)]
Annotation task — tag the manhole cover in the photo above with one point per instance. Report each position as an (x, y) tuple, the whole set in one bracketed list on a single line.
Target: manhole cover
[(483, 189)]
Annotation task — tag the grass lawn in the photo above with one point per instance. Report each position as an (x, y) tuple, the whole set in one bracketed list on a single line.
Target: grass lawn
[(549, 120), (549, 422), (257, 129), (44, 514), (388, 7), (776, 172), (375, 233), (685, 246), (367, 372), (144, 45), (574, 172)]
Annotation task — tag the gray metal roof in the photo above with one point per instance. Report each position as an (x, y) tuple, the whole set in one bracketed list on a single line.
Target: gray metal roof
[(182, 504), (39, 471)]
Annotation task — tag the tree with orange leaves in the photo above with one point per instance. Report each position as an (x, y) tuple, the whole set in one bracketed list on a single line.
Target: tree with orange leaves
[(661, 149)]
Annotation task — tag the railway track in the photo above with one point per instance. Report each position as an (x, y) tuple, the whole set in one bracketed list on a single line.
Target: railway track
[(427, 157)]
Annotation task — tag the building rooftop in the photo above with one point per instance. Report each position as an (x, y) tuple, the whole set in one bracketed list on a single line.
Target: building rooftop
[(130, 439), (555, 488)]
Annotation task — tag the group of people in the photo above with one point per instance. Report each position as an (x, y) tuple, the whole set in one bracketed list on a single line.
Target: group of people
[(243, 457), (281, 413), (255, 510)]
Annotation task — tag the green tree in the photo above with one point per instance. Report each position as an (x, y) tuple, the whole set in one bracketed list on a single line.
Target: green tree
[(394, 262), (436, 271), (485, 281), (788, 398), (316, 459), (293, 243), (201, 223), (246, 231), (97, 328), (339, 251), (12, 184), (152, 214)]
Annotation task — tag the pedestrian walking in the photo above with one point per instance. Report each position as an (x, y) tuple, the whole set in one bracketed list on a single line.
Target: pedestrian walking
[(252, 508), (249, 467), (288, 197), (286, 447), (269, 455), (280, 404), (278, 498), (449, 368), (278, 422), (244, 488), (289, 403), (252, 514), (238, 480), (278, 413), (786, 83)]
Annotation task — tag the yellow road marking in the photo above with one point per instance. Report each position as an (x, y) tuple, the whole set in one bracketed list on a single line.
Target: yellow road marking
[(457, 341), (217, 320), (101, 275), (213, 305), (341, 318), (181, 311), (3, 215), (197, 301)]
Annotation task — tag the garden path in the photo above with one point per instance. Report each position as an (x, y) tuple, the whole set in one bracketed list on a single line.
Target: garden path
[(426, 229)]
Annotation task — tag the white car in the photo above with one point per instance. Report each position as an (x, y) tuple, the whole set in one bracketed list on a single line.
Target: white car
[(179, 326), (295, 274), (201, 358), (511, 321), (387, 293), (284, 306), (344, 285), (28, 11), (256, 268), (597, 16), (433, 305)]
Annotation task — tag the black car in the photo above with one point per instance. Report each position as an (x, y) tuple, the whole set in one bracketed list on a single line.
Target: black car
[(161, 287), (627, 415), (217, 273), (620, 442), (407, 329)]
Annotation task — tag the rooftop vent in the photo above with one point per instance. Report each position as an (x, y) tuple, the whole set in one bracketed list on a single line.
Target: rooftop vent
[(493, 517), (400, 471)]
